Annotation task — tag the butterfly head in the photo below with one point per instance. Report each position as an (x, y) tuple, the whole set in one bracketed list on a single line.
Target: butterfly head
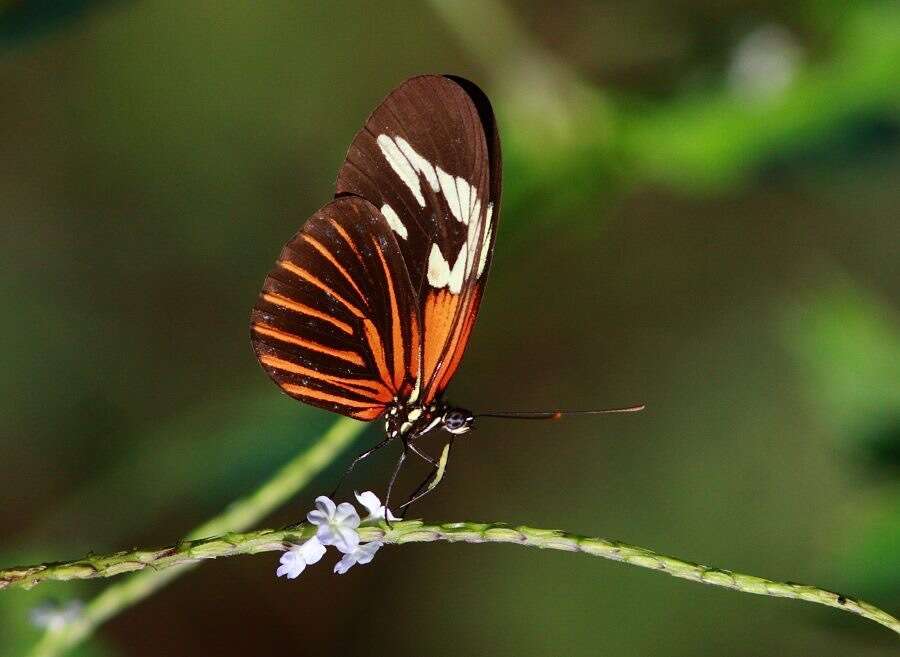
[(457, 420)]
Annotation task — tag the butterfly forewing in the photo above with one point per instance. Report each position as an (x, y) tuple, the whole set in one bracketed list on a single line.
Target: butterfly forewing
[(375, 298), (429, 158), (336, 324)]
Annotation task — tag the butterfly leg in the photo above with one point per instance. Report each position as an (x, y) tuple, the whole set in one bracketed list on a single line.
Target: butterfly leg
[(429, 484), (416, 494), (434, 466), (353, 463), (422, 455), (387, 495)]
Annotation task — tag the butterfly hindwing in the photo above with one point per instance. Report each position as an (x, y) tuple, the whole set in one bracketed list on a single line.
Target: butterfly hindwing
[(336, 324)]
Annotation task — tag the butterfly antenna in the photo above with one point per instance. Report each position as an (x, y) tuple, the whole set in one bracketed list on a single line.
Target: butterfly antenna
[(556, 415)]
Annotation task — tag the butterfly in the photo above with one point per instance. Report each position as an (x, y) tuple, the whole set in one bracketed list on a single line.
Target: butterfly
[(370, 306)]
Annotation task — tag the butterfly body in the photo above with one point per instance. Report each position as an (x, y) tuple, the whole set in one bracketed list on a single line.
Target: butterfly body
[(410, 422)]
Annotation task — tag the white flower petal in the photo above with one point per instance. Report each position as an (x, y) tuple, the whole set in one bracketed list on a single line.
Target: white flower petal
[(367, 551), (344, 564), (345, 539), (346, 515), (374, 506), (363, 554), (325, 534), (290, 571), (292, 564), (295, 560), (335, 525), (325, 505), (311, 551), (370, 501), (323, 512)]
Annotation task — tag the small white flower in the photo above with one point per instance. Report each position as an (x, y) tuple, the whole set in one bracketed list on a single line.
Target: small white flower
[(294, 561), (336, 525), (53, 616), (362, 554), (374, 506), (765, 63)]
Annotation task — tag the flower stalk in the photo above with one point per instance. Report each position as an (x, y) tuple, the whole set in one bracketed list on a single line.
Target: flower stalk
[(416, 531)]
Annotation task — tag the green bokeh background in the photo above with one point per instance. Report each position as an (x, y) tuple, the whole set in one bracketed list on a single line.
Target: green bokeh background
[(668, 235)]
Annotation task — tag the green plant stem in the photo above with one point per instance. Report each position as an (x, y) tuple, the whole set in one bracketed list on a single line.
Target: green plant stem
[(187, 552), (237, 517)]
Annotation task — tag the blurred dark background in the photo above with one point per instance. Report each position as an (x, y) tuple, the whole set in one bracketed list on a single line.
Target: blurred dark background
[(700, 213)]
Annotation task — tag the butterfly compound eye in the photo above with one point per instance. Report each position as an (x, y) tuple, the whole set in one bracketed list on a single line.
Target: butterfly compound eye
[(458, 421)]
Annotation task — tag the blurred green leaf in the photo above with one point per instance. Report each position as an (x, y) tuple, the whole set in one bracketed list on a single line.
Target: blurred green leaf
[(713, 140), (867, 554), (849, 345)]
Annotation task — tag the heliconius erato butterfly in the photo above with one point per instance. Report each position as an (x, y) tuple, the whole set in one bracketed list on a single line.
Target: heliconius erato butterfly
[(371, 305)]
